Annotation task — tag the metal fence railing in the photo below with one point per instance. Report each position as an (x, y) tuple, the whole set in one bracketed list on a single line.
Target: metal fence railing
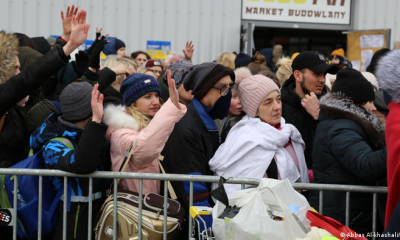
[(169, 177)]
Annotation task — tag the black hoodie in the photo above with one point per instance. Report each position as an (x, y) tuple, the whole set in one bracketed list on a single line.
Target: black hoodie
[(294, 113)]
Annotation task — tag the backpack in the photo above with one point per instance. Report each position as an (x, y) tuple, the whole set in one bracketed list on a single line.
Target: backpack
[(28, 196)]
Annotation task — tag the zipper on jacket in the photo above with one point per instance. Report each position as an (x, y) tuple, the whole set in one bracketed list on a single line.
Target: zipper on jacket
[(76, 220)]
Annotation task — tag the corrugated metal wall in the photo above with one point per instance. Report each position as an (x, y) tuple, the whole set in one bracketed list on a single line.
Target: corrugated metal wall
[(378, 14), (212, 25)]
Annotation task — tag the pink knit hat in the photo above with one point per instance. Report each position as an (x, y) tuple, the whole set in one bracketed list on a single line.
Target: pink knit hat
[(253, 90)]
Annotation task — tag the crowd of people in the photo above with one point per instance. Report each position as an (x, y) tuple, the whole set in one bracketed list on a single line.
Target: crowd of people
[(309, 119)]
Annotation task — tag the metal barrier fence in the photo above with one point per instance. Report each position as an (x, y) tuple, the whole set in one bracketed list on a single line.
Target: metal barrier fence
[(170, 177)]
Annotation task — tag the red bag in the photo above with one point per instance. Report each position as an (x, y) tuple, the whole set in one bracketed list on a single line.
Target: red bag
[(332, 226)]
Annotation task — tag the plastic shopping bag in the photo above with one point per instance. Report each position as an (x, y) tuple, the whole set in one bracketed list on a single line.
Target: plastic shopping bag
[(254, 220)]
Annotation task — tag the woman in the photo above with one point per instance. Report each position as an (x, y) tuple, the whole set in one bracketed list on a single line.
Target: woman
[(146, 71), (154, 65), (284, 71), (261, 144), (235, 109), (348, 149), (140, 57), (258, 64), (143, 122)]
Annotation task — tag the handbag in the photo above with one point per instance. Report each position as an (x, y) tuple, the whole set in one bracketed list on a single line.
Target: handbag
[(333, 227), (128, 213)]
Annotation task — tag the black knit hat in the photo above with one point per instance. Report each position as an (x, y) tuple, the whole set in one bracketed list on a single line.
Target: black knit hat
[(353, 84)]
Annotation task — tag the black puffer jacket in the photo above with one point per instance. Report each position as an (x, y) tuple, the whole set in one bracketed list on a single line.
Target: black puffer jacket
[(348, 150), (12, 141), (294, 113)]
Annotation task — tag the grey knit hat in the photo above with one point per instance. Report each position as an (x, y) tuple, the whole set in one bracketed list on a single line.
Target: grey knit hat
[(75, 101)]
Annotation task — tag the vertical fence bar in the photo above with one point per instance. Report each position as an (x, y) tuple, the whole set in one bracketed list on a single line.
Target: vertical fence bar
[(90, 208), (190, 204), (374, 216), (321, 201), (243, 186), (40, 208), (15, 207), (165, 210), (347, 208), (115, 209), (140, 208), (65, 200)]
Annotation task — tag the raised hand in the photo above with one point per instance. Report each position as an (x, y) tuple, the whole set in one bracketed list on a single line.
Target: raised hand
[(97, 104), (79, 32), (188, 51), (95, 54), (66, 21), (173, 92)]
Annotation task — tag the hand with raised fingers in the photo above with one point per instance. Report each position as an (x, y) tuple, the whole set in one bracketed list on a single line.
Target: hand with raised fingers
[(79, 32), (173, 92), (97, 104), (66, 21), (188, 51), (96, 41)]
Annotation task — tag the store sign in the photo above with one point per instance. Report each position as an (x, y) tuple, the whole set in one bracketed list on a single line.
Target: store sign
[(306, 11), (158, 49)]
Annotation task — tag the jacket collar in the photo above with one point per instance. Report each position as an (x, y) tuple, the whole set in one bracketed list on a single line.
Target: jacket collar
[(116, 117), (204, 116), (338, 106)]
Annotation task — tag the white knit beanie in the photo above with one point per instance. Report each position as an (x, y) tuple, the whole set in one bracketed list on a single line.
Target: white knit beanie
[(253, 90)]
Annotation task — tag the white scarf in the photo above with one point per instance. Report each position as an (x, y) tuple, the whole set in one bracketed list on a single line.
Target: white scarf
[(250, 147)]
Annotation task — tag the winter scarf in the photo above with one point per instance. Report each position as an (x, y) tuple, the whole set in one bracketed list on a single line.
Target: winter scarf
[(250, 147)]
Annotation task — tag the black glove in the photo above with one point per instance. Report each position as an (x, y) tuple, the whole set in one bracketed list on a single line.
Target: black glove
[(95, 57), (82, 62), (90, 50)]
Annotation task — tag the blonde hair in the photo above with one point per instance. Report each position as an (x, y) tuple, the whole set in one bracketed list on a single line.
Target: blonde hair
[(284, 66), (113, 62), (142, 119), (144, 70), (227, 59)]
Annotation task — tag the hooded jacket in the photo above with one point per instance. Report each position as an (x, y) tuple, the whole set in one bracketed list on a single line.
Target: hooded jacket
[(89, 155), (147, 143), (250, 148), (348, 150), (294, 113)]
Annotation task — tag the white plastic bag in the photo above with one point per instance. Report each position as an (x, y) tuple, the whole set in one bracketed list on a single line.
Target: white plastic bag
[(253, 220)]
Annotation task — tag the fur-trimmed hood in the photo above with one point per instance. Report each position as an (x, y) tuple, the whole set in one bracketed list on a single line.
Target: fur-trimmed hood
[(9, 44), (115, 118), (338, 106)]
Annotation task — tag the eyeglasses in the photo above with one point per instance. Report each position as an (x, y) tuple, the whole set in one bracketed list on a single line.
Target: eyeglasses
[(223, 90)]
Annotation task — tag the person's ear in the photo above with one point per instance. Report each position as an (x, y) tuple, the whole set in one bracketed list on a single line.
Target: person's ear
[(298, 76)]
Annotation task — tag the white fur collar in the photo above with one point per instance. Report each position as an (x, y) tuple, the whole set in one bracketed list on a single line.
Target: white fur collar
[(117, 118)]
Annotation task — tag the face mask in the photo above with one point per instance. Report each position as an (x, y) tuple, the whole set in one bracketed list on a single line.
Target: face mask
[(220, 109)]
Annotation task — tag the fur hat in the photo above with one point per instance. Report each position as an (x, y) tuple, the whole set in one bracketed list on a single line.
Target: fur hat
[(388, 74), (9, 44), (253, 90)]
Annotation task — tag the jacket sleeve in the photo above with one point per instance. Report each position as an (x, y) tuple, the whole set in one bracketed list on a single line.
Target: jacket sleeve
[(150, 141), (86, 156), (350, 148), (23, 84), (107, 76)]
